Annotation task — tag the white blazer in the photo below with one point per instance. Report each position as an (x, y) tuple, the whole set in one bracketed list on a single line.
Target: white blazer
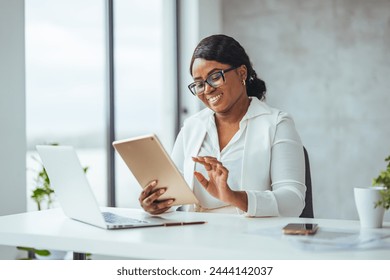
[(273, 167)]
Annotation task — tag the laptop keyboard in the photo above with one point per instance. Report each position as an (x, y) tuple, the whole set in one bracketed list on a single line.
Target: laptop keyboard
[(117, 219)]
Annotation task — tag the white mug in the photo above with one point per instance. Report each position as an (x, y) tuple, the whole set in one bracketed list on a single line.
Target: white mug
[(365, 199)]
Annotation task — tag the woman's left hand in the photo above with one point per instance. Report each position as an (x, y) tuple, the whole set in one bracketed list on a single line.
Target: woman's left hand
[(217, 184)]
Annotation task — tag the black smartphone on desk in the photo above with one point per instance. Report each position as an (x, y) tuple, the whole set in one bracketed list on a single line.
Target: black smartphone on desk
[(300, 228)]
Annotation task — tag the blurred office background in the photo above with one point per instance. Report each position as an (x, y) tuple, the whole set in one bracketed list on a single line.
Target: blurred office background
[(325, 62)]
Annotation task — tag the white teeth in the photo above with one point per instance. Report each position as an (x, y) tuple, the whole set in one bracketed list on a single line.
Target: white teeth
[(214, 98)]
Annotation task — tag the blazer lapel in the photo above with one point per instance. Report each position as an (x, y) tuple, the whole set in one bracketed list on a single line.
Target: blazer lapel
[(194, 143), (256, 157)]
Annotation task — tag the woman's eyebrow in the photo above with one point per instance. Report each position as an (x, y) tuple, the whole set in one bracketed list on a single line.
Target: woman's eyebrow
[(210, 72)]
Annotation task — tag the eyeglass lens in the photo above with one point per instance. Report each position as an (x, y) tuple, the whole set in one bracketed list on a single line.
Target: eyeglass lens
[(215, 80)]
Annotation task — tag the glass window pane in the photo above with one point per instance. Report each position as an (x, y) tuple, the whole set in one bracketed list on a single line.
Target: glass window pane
[(65, 84), (141, 94)]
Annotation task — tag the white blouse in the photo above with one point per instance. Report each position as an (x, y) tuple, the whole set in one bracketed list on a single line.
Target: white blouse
[(264, 158), (231, 158)]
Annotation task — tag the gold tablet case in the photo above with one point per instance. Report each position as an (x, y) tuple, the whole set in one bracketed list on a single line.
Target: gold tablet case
[(147, 160)]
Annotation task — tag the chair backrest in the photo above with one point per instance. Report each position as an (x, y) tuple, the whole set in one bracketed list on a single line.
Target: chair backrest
[(308, 210)]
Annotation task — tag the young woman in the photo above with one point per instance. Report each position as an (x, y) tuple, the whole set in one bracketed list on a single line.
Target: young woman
[(239, 154)]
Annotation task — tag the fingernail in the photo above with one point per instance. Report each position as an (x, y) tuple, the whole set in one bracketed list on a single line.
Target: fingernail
[(170, 202), (162, 191)]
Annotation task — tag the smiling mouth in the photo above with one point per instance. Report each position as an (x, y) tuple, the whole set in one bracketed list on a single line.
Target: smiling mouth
[(214, 99)]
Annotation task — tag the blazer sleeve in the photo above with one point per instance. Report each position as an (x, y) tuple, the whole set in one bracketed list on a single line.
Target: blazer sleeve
[(286, 196)]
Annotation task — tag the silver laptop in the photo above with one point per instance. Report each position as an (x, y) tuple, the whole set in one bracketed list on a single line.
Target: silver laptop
[(75, 196)]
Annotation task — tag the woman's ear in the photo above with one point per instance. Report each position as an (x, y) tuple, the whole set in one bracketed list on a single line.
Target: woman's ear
[(243, 72)]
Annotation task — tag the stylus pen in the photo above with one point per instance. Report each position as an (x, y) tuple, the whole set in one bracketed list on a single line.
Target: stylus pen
[(184, 223)]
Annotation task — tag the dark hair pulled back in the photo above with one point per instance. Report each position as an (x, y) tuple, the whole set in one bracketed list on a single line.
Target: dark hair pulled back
[(226, 50)]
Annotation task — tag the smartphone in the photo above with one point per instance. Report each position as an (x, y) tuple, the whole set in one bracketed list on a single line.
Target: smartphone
[(301, 229)]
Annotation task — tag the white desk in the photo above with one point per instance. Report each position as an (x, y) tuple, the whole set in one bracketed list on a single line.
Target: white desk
[(222, 237)]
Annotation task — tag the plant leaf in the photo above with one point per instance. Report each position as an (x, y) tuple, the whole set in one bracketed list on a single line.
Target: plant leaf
[(42, 252)]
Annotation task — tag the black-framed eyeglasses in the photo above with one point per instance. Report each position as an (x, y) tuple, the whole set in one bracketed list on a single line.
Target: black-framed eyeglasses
[(214, 80)]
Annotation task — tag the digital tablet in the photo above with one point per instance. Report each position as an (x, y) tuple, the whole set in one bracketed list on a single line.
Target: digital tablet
[(147, 160)]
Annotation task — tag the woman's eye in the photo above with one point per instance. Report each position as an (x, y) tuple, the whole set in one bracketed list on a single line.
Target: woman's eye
[(199, 85), (215, 77)]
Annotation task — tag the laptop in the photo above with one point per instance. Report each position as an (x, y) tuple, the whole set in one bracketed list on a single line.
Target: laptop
[(68, 180)]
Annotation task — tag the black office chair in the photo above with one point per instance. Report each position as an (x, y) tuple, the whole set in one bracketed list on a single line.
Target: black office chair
[(308, 210)]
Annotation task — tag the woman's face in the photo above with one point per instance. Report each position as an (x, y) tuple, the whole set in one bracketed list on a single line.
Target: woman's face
[(230, 94)]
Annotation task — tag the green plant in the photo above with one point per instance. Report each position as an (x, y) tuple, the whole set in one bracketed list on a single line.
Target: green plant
[(383, 179), (32, 252), (43, 191)]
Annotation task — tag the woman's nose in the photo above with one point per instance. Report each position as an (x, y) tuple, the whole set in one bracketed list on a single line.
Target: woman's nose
[(208, 89)]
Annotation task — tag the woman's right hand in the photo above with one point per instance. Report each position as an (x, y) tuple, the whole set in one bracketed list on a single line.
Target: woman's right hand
[(149, 199)]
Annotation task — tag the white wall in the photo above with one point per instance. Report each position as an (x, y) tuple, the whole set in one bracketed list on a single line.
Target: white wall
[(328, 64), (12, 113), (198, 19)]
